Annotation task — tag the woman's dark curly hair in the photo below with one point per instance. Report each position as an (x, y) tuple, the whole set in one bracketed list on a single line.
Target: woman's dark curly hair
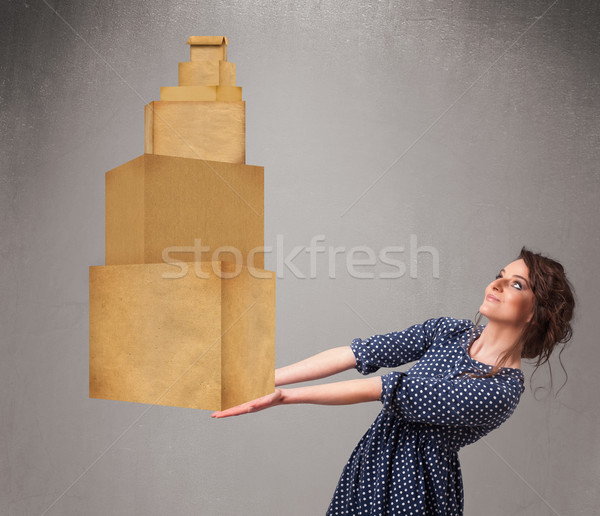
[(553, 307)]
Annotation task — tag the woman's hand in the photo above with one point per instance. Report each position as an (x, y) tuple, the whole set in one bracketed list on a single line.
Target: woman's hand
[(270, 400)]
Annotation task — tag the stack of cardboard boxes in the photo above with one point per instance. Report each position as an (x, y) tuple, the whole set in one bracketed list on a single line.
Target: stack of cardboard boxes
[(183, 312)]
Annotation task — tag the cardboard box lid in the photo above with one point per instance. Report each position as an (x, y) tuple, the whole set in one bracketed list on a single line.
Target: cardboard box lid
[(207, 40)]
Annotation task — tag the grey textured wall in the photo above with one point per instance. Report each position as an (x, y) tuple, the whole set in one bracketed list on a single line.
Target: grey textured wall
[(471, 125)]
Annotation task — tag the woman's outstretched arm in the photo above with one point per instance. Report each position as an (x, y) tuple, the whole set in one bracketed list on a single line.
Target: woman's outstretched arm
[(339, 393), (318, 366)]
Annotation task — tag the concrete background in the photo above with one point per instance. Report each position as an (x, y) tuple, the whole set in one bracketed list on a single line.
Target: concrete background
[(471, 125)]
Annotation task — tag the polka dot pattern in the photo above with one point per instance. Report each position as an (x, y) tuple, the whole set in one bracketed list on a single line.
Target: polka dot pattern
[(407, 461)]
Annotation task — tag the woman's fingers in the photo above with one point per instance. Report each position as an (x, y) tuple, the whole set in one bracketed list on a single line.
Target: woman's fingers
[(245, 408), (267, 401)]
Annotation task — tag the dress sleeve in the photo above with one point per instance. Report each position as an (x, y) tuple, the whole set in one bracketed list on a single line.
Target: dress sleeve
[(399, 347), (462, 401)]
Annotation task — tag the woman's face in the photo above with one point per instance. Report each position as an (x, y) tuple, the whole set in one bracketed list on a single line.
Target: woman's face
[(509, 298)]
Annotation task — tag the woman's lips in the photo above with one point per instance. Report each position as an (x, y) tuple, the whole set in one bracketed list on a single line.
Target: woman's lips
[(490, 297)]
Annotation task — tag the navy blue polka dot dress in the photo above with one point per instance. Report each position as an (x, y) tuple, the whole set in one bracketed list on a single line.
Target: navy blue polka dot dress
[(407, 462)]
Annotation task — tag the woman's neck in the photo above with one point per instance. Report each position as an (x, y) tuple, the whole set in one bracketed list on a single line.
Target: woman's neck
[(495, 340)]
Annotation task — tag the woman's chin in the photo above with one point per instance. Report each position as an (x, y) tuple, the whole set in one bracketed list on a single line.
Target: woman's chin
[(484, 310)]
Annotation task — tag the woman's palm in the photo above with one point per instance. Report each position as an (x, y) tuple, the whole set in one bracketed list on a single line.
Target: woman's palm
[(270, 400)]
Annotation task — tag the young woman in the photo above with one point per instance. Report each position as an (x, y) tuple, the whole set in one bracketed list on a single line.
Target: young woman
[(466, 382)]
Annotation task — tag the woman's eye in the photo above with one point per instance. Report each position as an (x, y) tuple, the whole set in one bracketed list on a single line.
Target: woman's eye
[(516, 284)]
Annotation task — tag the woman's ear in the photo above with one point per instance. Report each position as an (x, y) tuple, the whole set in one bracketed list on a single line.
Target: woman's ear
[(530, 319)]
